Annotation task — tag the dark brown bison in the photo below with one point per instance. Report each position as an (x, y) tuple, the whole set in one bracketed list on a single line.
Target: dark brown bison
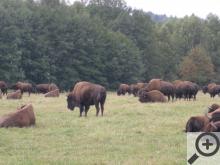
[(134, 88), (54, 93), (24, 87), (152, 96), (186, 90), (45, 88), (14, 95), (167, 88), (123, 89), (197, 124), (85, 94), (3, 87), (213, 89), (23, 117)]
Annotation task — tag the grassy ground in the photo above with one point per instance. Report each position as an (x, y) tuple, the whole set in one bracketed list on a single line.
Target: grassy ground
[(129, 133)]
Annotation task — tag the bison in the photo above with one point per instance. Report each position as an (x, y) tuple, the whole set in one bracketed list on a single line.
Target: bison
[(45, 88), (213, 89), (23, 117), (54, 93), (167, 88), (3, 87), (85, 94), (197, 124), (186, 90), (14, 95), (134, 88), (152, 96), (24, 87), (123, 89)]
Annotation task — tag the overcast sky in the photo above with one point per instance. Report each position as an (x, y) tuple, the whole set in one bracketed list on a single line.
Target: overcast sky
[(178, 8)]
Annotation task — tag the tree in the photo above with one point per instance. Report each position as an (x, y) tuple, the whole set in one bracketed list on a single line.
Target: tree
[(197, 66)]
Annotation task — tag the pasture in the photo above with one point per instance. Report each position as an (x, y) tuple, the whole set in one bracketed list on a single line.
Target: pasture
[(129, 133)]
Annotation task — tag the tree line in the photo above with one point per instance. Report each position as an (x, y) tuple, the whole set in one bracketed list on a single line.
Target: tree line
[(105, 42)]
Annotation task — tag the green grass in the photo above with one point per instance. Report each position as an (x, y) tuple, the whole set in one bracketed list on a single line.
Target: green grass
[(129, 133)]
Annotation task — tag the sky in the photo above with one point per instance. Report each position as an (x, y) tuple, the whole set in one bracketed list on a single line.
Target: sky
[(178, 8)]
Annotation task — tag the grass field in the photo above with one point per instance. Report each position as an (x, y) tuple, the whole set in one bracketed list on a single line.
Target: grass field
[(130, 133)]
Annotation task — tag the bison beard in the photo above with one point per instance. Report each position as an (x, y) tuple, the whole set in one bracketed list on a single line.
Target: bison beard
[(85, 94)]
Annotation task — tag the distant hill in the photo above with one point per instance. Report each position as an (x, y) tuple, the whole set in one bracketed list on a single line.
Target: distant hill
[(157, 17)]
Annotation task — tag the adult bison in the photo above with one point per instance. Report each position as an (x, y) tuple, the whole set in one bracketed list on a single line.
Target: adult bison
[(24, 87), (15, 95), (45, 88), (3, 87), (197, 123), (152, 96), (134, 88), (123, 89), (85, 94), (165, 87), (186, 90), (213, 89), (23, 117)]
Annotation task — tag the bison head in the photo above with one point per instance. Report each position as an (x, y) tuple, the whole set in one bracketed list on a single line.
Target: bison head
[(205, 89), (70, 102)]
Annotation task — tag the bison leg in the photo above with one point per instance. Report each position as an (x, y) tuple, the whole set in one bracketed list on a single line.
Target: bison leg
[(97, 109), (81, 110), (86, 110), (102, 108)]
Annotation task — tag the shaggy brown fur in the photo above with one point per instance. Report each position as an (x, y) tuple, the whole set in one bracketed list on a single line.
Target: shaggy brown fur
[(167, 88), (23, 117), (45, 88), (85, 94), (197, 123), (123, 89), (54, 93), (14, 95), (24, 87), (152, 96)]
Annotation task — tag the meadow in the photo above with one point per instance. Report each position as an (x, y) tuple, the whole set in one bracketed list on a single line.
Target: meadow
[(129, 133)]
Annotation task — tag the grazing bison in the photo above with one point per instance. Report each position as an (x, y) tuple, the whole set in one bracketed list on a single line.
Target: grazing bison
[(24, 87), (23, 117), (123, 89), (45, 88), (54, 93), (85, 94), (3, 87), (197, 124), (14, 95), (152, 96), (167, 88), (134, 88)]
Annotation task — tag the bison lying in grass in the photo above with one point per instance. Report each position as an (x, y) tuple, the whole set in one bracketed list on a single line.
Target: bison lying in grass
[(54, 93), (152, 96), (85, 94), (23, 117), (14, 95), (210, 122)]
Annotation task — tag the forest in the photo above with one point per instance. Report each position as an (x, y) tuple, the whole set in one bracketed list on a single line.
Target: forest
[(105, 42)]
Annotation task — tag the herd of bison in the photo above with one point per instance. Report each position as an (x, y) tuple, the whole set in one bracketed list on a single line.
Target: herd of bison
[(84, 94)]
